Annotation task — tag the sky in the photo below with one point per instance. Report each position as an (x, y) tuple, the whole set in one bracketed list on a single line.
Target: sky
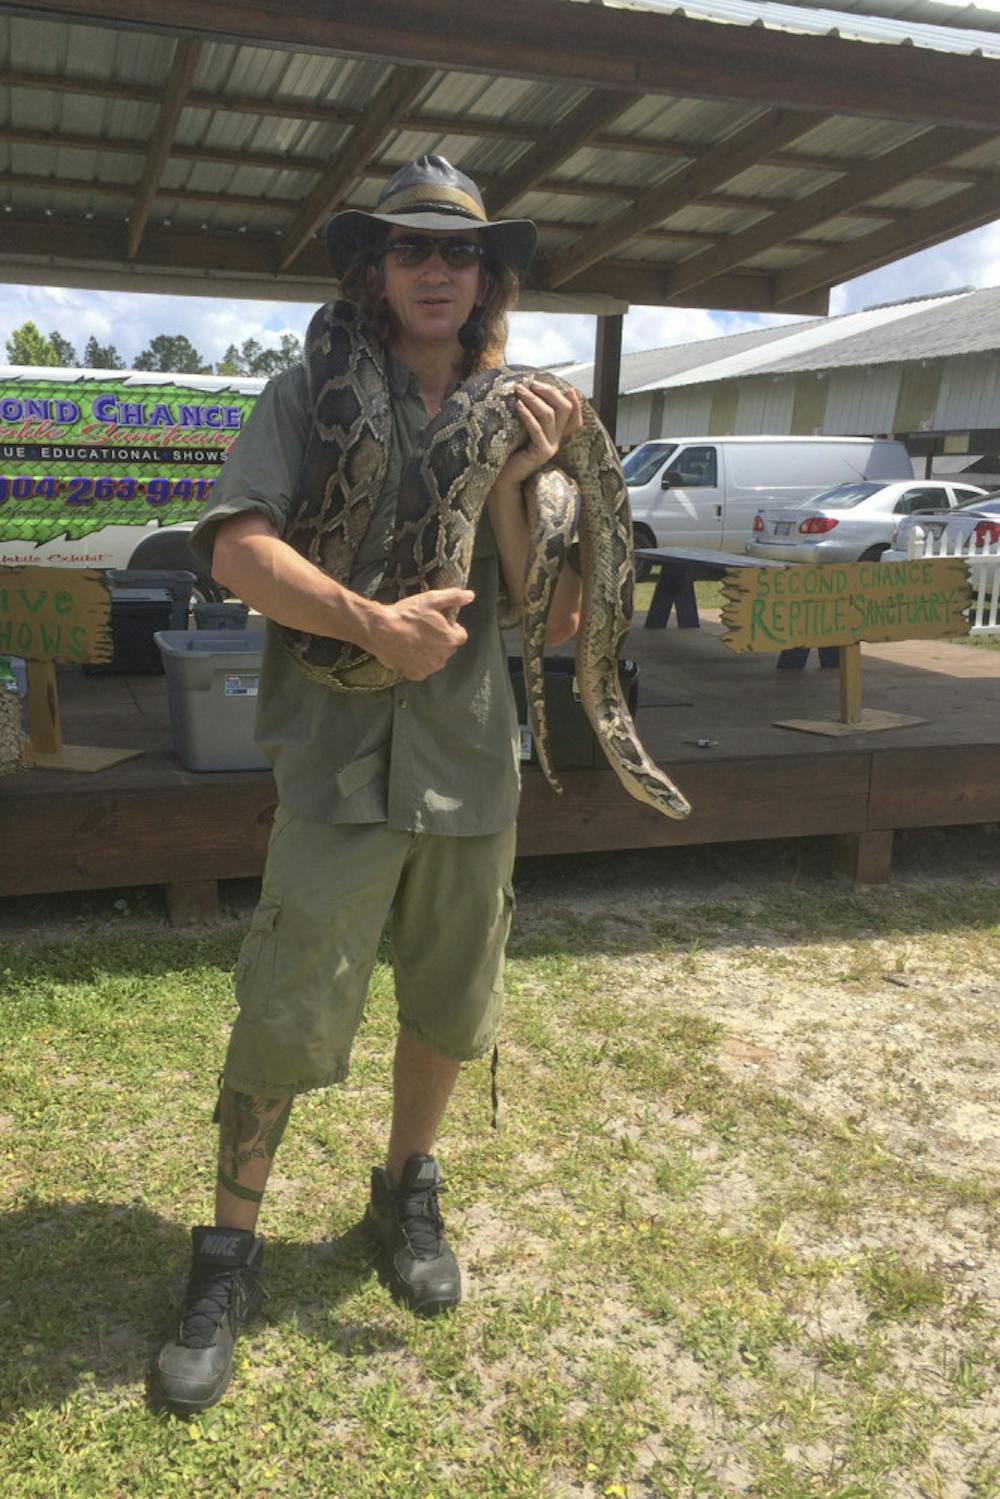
[(129, 320)]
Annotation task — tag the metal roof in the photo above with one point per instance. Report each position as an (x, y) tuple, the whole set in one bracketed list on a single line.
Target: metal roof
[(642, 371), (952, 324), (864, 24), (722, 154), (943, 13)]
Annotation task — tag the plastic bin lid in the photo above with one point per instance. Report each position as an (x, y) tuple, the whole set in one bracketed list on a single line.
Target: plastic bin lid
[(141, 596)]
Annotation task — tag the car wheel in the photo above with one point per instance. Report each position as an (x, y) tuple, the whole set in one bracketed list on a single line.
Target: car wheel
[(873, 553), (642, 536)]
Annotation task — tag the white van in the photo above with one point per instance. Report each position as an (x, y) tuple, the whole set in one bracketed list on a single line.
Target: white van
[(705, 491), (111, 468)]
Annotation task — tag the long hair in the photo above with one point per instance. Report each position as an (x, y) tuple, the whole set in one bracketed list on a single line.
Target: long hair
[(379, 319)]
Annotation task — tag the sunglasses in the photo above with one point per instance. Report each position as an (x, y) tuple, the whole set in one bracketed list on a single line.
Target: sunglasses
[(458, 254)]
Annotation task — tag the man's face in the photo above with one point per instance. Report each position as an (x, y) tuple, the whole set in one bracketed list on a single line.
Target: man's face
[(432, 298)]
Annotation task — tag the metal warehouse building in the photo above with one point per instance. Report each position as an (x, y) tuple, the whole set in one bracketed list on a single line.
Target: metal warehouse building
[(926, 371)]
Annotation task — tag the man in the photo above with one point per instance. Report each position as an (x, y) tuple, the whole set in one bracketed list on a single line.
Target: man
[(397, 805)]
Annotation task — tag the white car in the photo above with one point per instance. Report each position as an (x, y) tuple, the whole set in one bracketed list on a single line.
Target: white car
[(852, 522), (967, 529)]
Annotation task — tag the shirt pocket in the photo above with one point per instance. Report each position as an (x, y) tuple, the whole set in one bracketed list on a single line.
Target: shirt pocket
[(257, 961)]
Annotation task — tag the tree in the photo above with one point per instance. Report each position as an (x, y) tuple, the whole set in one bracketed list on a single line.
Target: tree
[(252, 359), (171, 353), (101, 356), (27, 346), (63, 350)]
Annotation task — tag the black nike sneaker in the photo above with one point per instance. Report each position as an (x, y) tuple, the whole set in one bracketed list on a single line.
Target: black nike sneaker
[(404, 1223), (224, 1290)]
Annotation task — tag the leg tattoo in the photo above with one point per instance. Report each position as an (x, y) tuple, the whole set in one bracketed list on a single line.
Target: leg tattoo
[(250, 1130)]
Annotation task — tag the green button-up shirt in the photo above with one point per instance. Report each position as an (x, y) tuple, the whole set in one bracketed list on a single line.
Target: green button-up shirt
[(439, 756)]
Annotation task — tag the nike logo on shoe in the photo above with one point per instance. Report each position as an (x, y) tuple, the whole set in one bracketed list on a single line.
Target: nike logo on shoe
[(221, 1246)]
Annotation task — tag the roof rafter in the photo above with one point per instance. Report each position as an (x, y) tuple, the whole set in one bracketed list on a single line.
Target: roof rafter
[(178, 80), (599, 108), (100, 188), (271, 161), (396, 94), (91, 246), (736, 153), (637, 51), (956, 214), (889, 169), (469, 125)]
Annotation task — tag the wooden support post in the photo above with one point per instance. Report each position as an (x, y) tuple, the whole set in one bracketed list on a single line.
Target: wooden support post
[(191, 902), (865, 858), (850, 683), (608, 369), (43, 708)]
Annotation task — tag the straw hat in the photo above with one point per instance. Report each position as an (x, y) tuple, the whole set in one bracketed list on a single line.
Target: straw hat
[(428, 194)]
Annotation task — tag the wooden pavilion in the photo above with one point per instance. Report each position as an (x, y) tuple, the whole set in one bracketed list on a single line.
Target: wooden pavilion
[(732, 156)]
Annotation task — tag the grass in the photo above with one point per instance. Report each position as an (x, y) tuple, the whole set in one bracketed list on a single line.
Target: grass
[(692, 1272)]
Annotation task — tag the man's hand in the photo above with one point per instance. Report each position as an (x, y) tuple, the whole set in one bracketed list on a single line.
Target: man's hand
[(418, 635), (548, 417)]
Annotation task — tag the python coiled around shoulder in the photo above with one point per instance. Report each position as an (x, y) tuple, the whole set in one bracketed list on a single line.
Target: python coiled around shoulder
[(442, 495)]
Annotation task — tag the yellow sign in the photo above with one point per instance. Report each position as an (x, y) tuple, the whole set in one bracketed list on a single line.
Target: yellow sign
[(57, 614), (776, 609)]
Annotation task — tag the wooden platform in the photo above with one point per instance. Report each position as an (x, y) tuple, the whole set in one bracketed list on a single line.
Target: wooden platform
[(148, 821)]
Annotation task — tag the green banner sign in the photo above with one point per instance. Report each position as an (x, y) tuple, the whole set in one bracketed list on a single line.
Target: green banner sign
[(81, 453)]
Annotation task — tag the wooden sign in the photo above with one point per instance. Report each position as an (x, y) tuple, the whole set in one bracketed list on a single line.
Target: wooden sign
[(56, 616), (776, 609)]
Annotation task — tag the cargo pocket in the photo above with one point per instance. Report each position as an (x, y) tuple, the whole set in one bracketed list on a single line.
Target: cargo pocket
[(506, 916), (257, 961)]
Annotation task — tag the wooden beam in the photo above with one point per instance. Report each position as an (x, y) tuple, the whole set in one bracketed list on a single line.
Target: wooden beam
[(555, 147), (608, 371), (175, 88), (445, 124), (397, 93), (929, 226), (851, 192), (645, 284), (637, 51), (738, 152), (77, 185), (180, 248), (373, 171)]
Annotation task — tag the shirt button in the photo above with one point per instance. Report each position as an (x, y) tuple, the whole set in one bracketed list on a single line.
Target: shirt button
[(401, 702)]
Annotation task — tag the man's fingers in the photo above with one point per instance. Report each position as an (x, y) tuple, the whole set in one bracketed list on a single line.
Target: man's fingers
[(447, 598)]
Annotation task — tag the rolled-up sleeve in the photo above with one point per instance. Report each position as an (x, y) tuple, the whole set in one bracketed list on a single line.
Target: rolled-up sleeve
[(264, 464)]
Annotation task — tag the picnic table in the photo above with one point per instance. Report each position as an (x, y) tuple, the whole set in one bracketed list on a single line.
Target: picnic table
[(682, 567)]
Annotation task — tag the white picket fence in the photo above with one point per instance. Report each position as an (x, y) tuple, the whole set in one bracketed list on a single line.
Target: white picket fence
[(984, 570)]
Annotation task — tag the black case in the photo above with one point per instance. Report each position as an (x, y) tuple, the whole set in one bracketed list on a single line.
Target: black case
[(136, 614), (572, 743)]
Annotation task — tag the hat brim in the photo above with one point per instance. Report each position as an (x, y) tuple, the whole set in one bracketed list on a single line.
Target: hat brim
[(511, 242)]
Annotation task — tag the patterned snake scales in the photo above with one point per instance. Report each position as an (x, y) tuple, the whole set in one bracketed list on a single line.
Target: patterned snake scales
[(442, 495)]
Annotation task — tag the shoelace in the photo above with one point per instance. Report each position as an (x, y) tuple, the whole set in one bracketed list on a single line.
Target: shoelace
[(421, 1222), (209, 1292)]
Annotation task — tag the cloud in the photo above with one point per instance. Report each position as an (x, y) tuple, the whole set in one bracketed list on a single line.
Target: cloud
[(130, 319), (971, 259)]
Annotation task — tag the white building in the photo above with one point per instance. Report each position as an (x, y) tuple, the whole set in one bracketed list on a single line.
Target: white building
[(926, 371)]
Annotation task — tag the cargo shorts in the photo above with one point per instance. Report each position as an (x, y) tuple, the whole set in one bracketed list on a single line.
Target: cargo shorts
[(328, 892)]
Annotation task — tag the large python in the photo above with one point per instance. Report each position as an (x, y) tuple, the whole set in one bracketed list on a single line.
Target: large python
[(442, 495)]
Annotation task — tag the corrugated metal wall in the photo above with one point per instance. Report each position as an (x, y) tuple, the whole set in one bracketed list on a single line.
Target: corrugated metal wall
[(840, 402), (765, 405), (970, 393), (861, 400)]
